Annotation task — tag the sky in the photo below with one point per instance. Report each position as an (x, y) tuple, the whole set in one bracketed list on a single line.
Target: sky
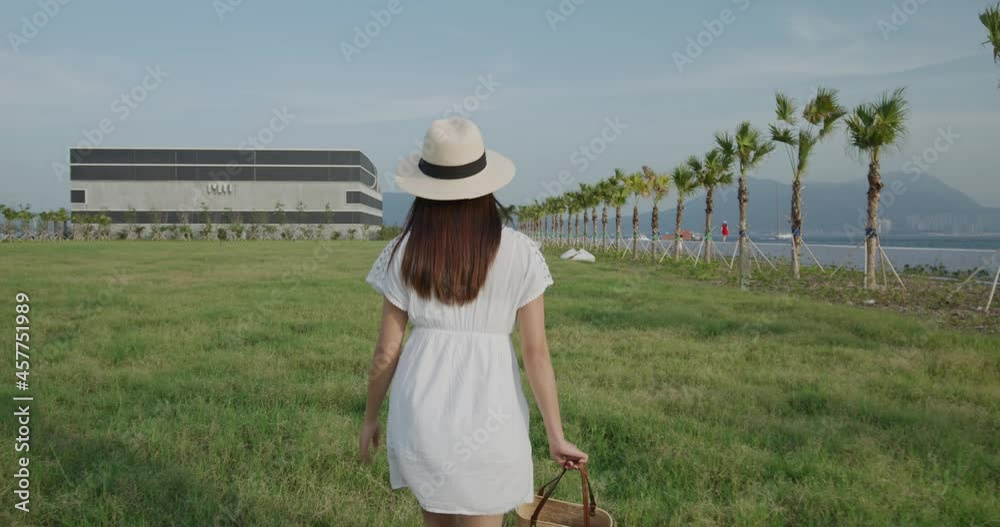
[(568, 89)]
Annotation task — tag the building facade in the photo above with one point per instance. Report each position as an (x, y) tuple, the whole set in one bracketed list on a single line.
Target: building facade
[(150, 186)]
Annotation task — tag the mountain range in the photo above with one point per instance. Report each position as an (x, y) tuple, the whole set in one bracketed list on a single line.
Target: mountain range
[(910, 204)]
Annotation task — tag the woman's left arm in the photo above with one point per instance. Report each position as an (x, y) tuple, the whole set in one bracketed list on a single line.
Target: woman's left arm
[(384, 361)]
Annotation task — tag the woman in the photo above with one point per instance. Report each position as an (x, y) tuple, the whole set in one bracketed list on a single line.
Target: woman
[(457, 429)]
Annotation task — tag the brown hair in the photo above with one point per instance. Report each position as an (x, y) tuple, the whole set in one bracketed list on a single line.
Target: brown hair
[(451, 247)]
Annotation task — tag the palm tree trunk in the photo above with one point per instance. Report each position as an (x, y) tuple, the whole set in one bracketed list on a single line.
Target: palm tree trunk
[(871, 232), (583, 241), (593, 223), (618, 227), (678, 238), (709, 207), (604, 227), (796, 217), (742, 243), (569, 225), (656, 227), (635, 231), (576, 230)]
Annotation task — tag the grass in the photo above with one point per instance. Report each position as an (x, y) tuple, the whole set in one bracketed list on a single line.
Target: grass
[(198, 383)]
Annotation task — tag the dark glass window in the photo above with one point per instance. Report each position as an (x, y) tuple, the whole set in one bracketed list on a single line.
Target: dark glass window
[(77, 196), (367, 164), (296, 157), (101, 155), (225, 157), (344, 157), (226, 173), (367, 178), (118, 173), (155, 156), (187, 173), (354, 196), (291, 173), (345, 174), (187, 157), (156, 173)]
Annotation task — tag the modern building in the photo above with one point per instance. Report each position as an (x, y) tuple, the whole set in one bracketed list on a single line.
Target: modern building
[(264, 186)]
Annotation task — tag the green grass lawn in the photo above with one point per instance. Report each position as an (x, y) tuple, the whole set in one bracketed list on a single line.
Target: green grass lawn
[(201, 383)]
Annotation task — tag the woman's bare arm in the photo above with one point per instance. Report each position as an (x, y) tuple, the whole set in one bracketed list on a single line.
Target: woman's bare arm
[(541, 377), (383, 366)]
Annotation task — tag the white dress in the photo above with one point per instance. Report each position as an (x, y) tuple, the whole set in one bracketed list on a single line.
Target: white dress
[(457, 431)]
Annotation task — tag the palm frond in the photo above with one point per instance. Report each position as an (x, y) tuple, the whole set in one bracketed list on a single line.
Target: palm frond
[(783, 135), (786, 109), (806, 143), (685, 180), (991, 20), (726, 144), (879, 124), (824, 110)]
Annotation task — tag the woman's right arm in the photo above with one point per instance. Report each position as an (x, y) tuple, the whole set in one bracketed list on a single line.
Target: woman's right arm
[(541, 377)]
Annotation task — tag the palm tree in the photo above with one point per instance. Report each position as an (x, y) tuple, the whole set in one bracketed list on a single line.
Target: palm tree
[(583, 198), (636, 185), (685, 182), (27, 219), (567, 204), (604, 191), (749, 149), (9, 215), (712, 172), (991, 20), (44, 218), (872, 127), (593, 199), (619, 197), (658, 186), (575, 204), (62, 216), (821, 114), (104, 225), (553, 206)]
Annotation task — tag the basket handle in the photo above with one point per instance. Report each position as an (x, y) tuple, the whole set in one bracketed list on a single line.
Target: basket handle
[(546, 490)]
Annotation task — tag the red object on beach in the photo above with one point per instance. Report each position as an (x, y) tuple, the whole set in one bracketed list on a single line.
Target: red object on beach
[(725, 229)]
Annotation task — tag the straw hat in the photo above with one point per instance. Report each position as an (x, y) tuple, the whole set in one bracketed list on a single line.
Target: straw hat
[(454, 164)]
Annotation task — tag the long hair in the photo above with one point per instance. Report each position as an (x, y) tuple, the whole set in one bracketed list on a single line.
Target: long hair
[(451, 246)]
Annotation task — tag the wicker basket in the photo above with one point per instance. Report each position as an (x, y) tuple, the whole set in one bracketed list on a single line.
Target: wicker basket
[(547, 512)]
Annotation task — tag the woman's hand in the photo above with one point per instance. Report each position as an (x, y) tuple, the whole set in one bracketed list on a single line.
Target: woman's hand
[(567, 454), (369, 436)]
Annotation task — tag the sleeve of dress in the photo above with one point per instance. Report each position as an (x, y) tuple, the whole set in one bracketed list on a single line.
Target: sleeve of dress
[(536, 276), (385, 277)]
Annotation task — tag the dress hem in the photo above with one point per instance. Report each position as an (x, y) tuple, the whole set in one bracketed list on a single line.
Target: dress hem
[(468, 512)]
